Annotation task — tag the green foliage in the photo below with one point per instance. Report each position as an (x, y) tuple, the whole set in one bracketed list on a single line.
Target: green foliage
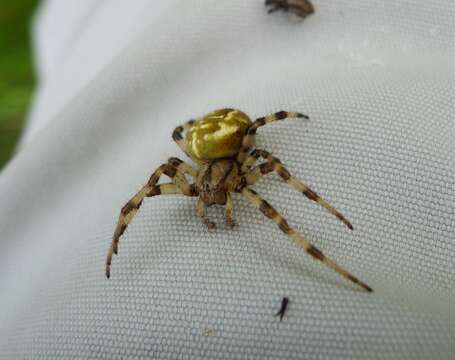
[(17, 78)]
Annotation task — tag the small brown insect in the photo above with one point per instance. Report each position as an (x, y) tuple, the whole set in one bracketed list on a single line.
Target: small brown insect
[(302, 8), (220, 143), (284, 306)]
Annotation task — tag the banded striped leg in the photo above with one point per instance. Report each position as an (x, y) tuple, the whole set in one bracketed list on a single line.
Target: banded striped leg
[(252, 158), (183, 167), (201, 212), (178, 138), (130, 209), (274, 164), (248, 139), (276, 217), (163, 189), (180, 179)]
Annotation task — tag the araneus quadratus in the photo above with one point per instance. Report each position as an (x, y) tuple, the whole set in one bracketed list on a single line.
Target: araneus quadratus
[(220, 143)]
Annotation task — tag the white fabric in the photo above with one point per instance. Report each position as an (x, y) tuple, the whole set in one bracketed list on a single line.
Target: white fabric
[(377, 79)]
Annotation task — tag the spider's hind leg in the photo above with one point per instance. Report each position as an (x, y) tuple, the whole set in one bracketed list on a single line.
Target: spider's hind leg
[(276, 217)]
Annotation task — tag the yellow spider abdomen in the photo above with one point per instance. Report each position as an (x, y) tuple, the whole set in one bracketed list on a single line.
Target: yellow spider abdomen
[(217, 135)]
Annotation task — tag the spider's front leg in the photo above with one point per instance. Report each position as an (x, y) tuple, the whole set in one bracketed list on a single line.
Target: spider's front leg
[(274, 164), (248, 139), (317, 254), (175, 169)]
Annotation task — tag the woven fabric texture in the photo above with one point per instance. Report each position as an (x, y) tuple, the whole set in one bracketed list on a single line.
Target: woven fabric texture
[(377, 79)]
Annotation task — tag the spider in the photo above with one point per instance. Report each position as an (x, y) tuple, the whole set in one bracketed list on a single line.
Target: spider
[(302, 8), (220, 143)]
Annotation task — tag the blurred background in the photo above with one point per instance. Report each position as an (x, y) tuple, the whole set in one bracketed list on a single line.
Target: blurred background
[(17, 79)]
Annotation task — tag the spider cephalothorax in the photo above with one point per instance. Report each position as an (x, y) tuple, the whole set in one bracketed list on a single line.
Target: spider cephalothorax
[(302, 8), (220, 143), (215, 181)]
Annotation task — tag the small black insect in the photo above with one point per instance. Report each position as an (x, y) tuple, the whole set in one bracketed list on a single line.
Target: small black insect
[(301, 8), (284, 305)]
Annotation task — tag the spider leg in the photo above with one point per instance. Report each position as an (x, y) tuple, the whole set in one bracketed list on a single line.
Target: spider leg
[(276, 217), (179, 178), (129, 210), (183, 167), (229, 210), (252, 158), (178, 138), (201, 211), (248, 139), (274, 164), (125, 219)]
